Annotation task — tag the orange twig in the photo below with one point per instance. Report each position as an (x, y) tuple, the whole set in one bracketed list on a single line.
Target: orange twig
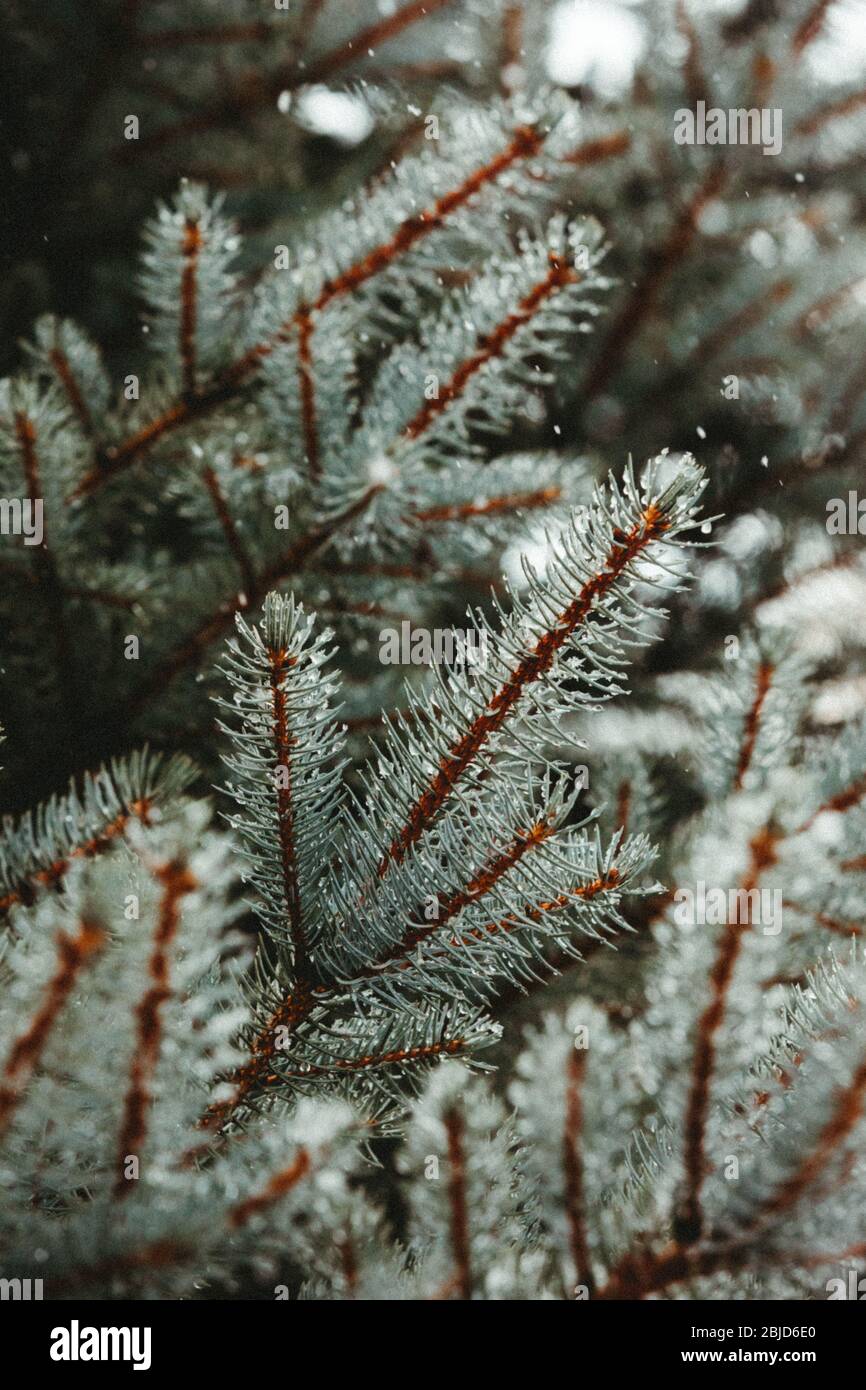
[(176, 882), (832, 111), (752, 724), (278, 1186), (28, 1048), (229, 530), (307, 390), (60, 363), (696, 83), (846, 1113), (53, 875), (192, 243), (220, 622), (842, 801), (811, 26), (478, 887), (280, 663), (261, 91), (605, 147), (763, 854), (459, 1222), (509, 502), (575, 1204)]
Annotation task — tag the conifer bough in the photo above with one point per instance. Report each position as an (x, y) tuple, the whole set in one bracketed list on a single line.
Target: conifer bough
[(182, 1118)]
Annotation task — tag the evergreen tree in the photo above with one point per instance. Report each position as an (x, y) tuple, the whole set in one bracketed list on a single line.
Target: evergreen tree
[(419, 1021)]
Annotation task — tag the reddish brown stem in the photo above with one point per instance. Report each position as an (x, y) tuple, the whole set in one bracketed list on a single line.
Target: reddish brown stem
[(762, 855), (278, 1186), (585, 892), (370, 38), (258, 1073), (161, 1254), (66, 376), (27, 1049), (623, 805), (280, 664), (399, 1057), (348, 1263), (526, 142), (306, 382), (572, 1162), (229, 530), (261, 91), (459, 1219), (512, 45), (258, 1070), (643, 1273), (823, 309), (192, 243), (118, 456), (221, 622), (811, 26), (842, 801), (763, 76), (605, 147), (451, 906), (823, 919), (176, 881), (739, 323), (845, 106), (493, 506), (753, 723), (846, 1113), (696, 83)]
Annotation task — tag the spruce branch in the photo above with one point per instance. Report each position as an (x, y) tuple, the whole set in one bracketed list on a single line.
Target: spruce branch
[(378, 958), (37, 851), (493, 344), (518, 501), (189, 286), (288, 760), (753, 717), (366, 430), (621, 529), (525, 142), (257, 93)]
